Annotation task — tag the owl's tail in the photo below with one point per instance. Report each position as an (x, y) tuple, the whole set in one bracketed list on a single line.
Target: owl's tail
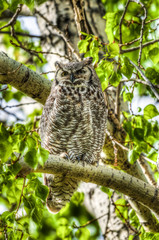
[(61, 190)]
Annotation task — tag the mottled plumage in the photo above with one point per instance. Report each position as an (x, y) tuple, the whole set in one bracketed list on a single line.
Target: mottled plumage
[(73, 123)]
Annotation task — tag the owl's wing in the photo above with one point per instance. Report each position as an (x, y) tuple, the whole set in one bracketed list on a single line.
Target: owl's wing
[(99, 116), (48, 108)]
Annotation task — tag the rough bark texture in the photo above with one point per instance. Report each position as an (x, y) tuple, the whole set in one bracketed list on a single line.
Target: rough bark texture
[(23, 78)]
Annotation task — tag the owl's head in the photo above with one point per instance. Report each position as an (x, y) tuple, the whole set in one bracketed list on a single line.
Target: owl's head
[(77, 74)]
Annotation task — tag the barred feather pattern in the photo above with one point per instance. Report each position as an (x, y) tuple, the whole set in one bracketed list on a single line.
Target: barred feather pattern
[(73, 123)]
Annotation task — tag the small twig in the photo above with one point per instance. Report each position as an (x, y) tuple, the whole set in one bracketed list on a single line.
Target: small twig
[(146, 79), (12, 114), (147, 171), (117, 102), (13, 19), (158, 159), (121, 215), (152, 20), (142, 28), (130, 103), (21, 195), (138, 47), (54, 53), (24, 34), (138, 81), (22, 236), (24, 48), (5, 233), (142, 155), (60, 33), (89, 222), (3, 89), (120, 24), (129, 43), (19, 105), (20, 230), (47, 72)]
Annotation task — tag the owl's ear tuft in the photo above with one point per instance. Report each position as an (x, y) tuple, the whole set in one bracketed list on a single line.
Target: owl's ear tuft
[(88, 60), (57, 65)]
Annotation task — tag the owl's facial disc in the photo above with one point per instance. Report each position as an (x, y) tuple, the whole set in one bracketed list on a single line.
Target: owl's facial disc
[(77, 77)]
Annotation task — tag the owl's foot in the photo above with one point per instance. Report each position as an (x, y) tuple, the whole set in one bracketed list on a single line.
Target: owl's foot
[(87, 159)]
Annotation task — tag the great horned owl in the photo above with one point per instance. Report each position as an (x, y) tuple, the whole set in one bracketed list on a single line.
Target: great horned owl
[(73, 123)]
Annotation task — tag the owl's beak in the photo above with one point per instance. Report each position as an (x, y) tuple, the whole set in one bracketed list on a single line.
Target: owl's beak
[(72, 78)]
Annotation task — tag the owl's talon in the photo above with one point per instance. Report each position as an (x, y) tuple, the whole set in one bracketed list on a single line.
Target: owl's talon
[(78, 159)]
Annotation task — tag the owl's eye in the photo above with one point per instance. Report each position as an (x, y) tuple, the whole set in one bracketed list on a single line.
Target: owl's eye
[(64, 74), (80, 71)]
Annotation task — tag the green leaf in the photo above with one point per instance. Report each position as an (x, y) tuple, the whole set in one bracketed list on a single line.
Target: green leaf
[(14, 3), (41, 191), (122, 207), (82, 46), (31, 158), (113, 49), (127, 96), (134, 221), (36, 214), (77, 198), (16, 168), (83, 234), (108, 191), (111, 22), (153, 54), (128, 128), (29, 202), (30, 3), (3, 6), (115, 79), (131, 237), (150, 111), (42, 155), (127, 68), (7, 95), (5, 150), (139, 133), (133, 156), (152, 75)]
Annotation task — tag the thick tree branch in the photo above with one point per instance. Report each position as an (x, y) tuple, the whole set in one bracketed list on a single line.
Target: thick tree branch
[(23, 79), (60, 33), (80, 17), (102, 175)]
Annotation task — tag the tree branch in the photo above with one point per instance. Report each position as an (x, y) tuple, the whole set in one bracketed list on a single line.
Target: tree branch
[(13, 19), (102, 175), (23, 79), (146, 79), (60, 33), (138, 47), (80, 18)]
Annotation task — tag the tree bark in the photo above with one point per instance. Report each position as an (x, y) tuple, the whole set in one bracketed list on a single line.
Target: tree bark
[(120, 181)]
